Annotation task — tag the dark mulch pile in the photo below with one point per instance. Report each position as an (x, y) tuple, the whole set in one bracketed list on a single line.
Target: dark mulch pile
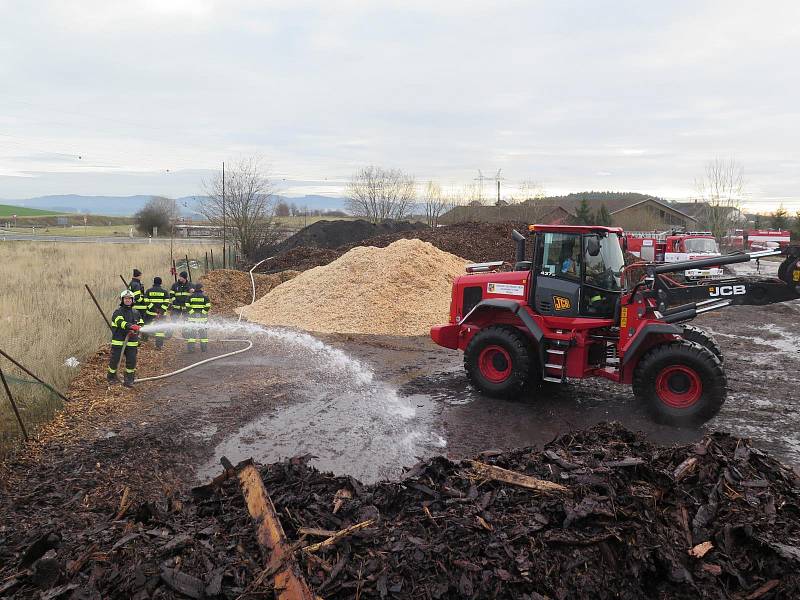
[(299, 259), (478, 242), (625, 530), (333, 234)]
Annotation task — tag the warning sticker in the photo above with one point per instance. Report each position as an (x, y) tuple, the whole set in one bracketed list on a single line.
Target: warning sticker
[(505, 288)]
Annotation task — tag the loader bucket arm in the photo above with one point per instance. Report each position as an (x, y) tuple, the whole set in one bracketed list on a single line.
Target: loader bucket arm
[(678, 303)]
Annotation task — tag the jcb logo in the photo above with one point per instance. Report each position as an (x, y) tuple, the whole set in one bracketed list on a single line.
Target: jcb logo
[(561, 303), (727, 290)]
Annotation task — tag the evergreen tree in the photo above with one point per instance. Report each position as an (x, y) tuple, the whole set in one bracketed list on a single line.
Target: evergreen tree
[(780, 218), (583, 216), (602, 217)]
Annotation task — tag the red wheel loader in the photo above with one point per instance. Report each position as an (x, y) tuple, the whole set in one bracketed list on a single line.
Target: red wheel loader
[(563, 312)]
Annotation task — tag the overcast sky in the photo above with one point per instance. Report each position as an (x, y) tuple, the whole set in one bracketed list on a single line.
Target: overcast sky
[(141, 97)]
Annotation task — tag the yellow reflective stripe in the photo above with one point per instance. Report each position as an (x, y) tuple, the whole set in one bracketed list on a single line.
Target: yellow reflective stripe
[(110, 370), (127, 370), (117, 343), (134, 344)]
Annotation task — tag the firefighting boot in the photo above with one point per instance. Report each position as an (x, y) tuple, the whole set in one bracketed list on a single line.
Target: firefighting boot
[(203, 346), (112, 378), (128, 383)]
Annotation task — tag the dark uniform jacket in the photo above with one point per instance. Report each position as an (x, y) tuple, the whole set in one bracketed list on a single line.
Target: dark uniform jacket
[(121, 322), (179, 294), (138, 295), (157, 300), (198, 306)]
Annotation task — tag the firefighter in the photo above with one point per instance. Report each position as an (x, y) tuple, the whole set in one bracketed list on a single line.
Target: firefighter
[(125, 324), (179, 293), (138, 296), (197, 318), (157, 299)]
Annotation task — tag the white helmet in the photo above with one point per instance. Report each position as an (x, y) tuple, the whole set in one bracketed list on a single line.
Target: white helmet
[(126, 294)]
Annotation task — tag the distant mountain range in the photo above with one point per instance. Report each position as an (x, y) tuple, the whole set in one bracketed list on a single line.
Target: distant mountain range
[(124, 206)]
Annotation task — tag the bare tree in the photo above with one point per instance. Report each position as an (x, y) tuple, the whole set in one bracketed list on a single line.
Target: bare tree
[(434, 202), (379, 194), (721, 189), (249, 206)]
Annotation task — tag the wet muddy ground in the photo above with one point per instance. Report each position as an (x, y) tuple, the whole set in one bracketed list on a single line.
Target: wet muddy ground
[(369, 406)]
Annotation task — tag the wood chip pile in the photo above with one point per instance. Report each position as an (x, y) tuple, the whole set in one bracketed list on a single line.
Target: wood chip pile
[(230, 289), (402, 289)]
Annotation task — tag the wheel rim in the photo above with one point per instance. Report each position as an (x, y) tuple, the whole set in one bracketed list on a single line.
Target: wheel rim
[(679, 386), (495, 363)]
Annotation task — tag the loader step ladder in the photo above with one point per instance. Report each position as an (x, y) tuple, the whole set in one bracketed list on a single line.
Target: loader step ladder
[(555, 361)]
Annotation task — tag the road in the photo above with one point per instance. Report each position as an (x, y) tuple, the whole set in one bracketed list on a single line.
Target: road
[(15, 237)]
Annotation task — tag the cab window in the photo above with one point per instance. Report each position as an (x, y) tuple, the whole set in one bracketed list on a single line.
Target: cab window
[(561, 255)]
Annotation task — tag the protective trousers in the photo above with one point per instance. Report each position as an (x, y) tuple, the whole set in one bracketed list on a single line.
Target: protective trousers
[(130, 362), (197, 331), (159, 334)]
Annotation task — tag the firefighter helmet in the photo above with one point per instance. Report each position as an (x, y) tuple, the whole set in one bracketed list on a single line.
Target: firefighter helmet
[(126, 294)]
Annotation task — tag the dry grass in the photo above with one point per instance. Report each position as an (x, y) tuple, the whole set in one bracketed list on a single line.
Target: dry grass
[(46, 316)]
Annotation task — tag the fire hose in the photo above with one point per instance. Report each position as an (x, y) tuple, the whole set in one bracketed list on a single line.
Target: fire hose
[(213, 358)]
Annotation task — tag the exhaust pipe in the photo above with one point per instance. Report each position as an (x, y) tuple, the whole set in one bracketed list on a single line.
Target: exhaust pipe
[(520, 241)]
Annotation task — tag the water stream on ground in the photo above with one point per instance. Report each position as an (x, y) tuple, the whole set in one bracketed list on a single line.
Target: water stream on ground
[(339, 409)]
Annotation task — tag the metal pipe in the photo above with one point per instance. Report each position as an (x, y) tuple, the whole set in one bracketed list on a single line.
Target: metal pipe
[(520, 241), (14, 405), (97, 304), (47, 385), (716, 261)]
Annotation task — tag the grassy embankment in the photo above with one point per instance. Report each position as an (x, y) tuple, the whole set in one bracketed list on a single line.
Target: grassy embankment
[(46, 316), (7, 210)]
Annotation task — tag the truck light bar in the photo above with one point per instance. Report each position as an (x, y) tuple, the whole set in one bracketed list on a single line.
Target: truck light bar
[(484, 267)]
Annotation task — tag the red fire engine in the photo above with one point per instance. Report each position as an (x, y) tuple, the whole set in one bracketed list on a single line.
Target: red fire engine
[(759, 239), (675, 246)]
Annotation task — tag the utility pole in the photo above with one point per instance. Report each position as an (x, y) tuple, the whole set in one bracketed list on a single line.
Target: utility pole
[(480, 178), (224, 223), (498, 179)]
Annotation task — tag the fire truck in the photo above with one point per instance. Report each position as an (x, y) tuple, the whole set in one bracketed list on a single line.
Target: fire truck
[(674, 246), (759, 239)]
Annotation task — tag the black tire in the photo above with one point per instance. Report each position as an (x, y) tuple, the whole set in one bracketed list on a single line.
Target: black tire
[(680, 383), (702, 337), (499, 361)]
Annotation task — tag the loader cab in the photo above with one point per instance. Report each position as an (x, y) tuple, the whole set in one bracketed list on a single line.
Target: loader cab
[(576, 271)]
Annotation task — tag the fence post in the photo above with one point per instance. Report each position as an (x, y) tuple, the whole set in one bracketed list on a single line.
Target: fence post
[(188, 268), (13, 405)]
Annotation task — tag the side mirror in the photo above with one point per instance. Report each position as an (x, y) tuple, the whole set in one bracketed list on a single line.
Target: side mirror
[(593, 245)]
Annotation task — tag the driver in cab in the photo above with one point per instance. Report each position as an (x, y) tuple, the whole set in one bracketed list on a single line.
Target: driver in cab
[(570, 265)]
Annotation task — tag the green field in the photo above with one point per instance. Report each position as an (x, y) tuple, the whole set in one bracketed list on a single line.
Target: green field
[(6, 210)]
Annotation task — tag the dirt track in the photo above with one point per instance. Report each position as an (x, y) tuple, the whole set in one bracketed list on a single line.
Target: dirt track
[(368, 406)]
